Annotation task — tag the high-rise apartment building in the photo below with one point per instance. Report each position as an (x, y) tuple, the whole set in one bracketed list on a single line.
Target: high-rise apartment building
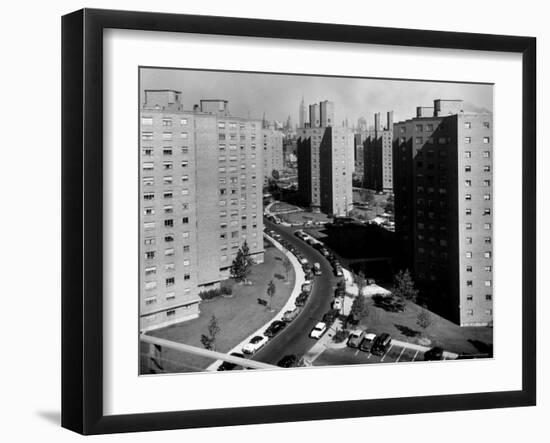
[(302, 114), (325, 162), (201, 181), (443, 205), (378, 155), (273, 150)]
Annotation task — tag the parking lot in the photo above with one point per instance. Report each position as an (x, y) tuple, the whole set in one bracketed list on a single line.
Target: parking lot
[(353, 356)]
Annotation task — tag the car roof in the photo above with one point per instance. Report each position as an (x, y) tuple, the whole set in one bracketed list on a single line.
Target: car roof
[(370, 335)]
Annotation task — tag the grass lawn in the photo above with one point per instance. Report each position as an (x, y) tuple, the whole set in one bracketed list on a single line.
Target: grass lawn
[(238, 316), (303, 217), (451, 337), (282, 207)]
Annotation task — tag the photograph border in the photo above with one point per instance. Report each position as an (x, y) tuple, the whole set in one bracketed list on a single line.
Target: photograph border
[(82, 220)]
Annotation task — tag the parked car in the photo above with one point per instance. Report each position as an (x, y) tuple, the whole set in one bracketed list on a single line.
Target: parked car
[(289, 361), (325, 252), (381, 344), (301, 299), (255, 344), (303, 260), (338, 304), (435, 353), (338, 271), (371, 281), (274, 328), (228, 366), (306, 287), (355, 337), (290, 315), (316, 268), (318, 330), (367, 342)]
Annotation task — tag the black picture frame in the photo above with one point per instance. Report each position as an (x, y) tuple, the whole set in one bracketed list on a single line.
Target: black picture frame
[(82, 219)]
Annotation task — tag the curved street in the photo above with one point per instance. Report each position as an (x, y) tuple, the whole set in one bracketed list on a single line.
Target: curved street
[(294, 339)]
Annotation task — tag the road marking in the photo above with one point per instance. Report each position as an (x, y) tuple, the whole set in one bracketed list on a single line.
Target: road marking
[(357, 352), (369, 356), (414, 358), (387, 352), (402, 350)]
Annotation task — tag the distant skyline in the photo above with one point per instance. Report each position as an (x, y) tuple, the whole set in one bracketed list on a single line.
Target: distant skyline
[(279, 95)]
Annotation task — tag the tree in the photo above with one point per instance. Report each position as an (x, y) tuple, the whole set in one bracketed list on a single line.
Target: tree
[(209, 341), (271, 289), (403, 286), (287, 265), (275, 174), (424, 318), (360, 281), (242, 264), (359, 307)]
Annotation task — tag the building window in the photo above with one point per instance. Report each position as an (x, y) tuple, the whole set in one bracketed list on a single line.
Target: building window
[(488, 283), (150, 301), (169, 223), (168, 209), (169, 266), (147, 121), (469, 297), (186, 248), (147, 136), (148, 166), (468, 211), (487, 197), (149, 255), (151, 270), (149, 225), (185, 220), (486, 140), (468, 240), (184, 178), (468, 197), (167, 136), (488, 297), (469, 283), (486, 154), (468, 154), (170, 281), (468, 183), (186, 262), (169, 238), (185, 192), (486, 182), (149, 241), (184, 135), (488, 268), (166, 122), (467, 168), (167, 180), (486, 168), (169, 252), (487, 254), (149, 211), (487, 226), (467, 125), (470, 312), (467, 140), (170, 296), (468, 254), (486, 125), (184, 150), (167, 194), (469, 268), (487, 211), (147, 151)]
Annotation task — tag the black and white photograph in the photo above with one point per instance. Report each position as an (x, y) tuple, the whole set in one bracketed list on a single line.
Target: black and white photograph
[(298, 221)]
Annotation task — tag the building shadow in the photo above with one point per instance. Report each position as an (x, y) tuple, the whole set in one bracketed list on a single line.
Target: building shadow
[(53, 417)]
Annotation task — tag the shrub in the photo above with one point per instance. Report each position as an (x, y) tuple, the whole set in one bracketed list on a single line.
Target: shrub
[(213, 293), (339, 336)]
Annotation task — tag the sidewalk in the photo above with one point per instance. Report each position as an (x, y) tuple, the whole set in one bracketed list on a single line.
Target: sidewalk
[(298, 281)]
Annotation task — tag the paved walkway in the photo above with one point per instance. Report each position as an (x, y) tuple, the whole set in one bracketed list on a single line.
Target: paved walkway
[(298, 281)]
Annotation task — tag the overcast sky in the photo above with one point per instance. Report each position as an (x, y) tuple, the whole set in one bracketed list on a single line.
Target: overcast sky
[(279, 95)]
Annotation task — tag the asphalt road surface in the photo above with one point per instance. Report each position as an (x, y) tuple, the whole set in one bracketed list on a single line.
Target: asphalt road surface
[(294, 339)]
